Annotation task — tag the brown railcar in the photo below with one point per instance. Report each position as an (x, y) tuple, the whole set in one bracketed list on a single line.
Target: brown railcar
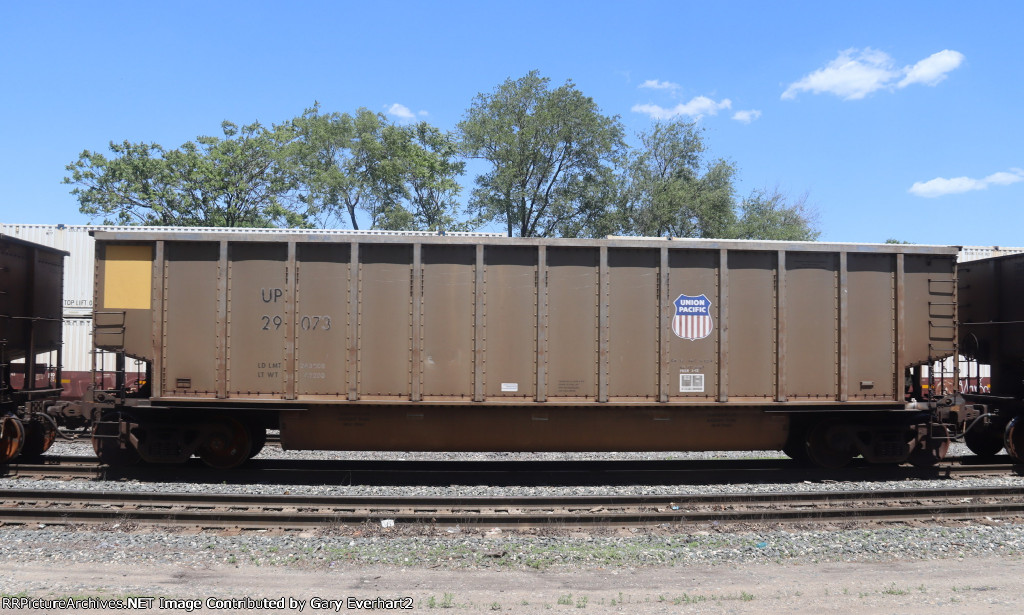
[(31, 285), (463, 343)]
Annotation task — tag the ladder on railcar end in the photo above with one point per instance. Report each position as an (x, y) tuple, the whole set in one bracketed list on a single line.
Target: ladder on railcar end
[(108, 338), (942, 340), (5, 376), (109, 328), (942, 345), (101, 373)]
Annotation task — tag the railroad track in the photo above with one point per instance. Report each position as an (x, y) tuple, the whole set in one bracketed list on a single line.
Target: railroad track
[(499, 473), (210, 511)]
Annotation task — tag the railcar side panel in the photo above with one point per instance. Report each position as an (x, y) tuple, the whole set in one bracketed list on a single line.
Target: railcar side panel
[(693, 348), (385, 322), (321, 309), (871, 327), (448, 316), (391, 342), (192, 338), (573, 332), (505, 321), (753, 325), (634, 324), (259, 314), (510, 334), (811, 313)]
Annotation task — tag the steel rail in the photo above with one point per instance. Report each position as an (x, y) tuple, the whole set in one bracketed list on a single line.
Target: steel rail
[(280, 471), (294, 511)]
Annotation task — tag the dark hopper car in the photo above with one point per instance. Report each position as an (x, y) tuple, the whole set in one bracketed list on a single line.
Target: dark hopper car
[(992, 332), (31, 288)]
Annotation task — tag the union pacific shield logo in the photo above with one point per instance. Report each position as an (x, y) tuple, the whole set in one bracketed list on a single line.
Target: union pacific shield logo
[(692, 320)]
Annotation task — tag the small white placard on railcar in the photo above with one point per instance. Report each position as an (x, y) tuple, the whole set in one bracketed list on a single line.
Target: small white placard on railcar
[(691, 383), (509, 387)]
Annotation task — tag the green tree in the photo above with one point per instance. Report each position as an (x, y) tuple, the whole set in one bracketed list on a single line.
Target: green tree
[(399, 177), (431, 168), (231, 181), (338, 165), (767, 215), (671, 190), (549, 151)]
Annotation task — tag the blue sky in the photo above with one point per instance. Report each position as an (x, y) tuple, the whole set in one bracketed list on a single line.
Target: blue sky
[(898, 119)]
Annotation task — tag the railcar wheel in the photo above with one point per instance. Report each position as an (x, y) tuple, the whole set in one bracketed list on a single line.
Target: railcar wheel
[(828, 445), (984, 441), (227, 446), (12, 438), (1013, 438), (796, 444), (106, 441), (259, 440), (929, 448), (39, 436), (797, 452)]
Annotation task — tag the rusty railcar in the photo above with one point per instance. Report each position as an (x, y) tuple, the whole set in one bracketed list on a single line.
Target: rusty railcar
[(992, 332), (31, 299), (455, 343)]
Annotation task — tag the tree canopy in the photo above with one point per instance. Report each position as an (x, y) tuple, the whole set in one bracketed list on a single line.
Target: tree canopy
[(553, 165), (549, 150), (231, 181), (672, 190), (766, 215), (398, 177)]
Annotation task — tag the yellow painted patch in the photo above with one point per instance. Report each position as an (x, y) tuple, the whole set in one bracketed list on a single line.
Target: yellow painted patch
[(128, 277)]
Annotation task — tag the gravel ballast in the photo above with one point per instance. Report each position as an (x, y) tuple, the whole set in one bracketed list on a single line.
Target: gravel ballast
[(593, 565), (470, 547), (495, 549)]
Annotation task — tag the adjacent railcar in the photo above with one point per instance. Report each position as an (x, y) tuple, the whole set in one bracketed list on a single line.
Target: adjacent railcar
[(992, 332), (498, 344), (31, 288)]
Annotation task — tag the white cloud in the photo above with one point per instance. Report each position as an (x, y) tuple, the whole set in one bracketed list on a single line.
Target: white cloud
[(849, 76), (654, 84), (1004, 178), (941, 186), (746, 116), (401, 112), (933, 69), (856, 73), (697, 108)]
